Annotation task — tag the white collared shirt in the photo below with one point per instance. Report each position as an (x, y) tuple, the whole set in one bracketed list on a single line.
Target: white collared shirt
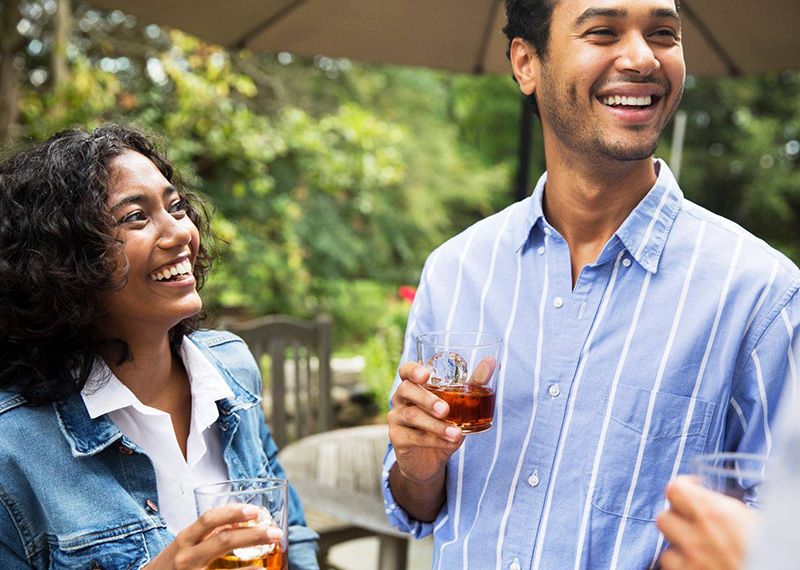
[(151, 429)]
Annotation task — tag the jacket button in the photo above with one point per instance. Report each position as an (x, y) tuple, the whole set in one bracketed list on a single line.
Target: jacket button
[(124, 449), (151, 506)]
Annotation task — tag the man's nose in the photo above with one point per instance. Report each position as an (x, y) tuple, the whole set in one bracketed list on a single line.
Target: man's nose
[(637, 56)]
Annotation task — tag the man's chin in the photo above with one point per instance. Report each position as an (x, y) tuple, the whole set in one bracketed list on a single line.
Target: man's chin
[(629, 152)]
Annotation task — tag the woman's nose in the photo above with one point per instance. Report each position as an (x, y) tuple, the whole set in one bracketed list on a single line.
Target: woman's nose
[(174, 232)]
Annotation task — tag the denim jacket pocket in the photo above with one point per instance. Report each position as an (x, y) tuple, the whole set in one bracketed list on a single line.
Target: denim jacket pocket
[(668, 446), (111, 550)]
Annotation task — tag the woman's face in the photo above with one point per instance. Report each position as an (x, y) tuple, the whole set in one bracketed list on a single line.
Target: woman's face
[(159, 248)]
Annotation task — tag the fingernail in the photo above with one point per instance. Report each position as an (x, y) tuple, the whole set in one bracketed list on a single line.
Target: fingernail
[(440, 408), (249, 510), (452, 432), (419, 373)]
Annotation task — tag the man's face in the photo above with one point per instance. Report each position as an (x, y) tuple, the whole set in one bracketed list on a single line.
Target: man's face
[(613, 76)]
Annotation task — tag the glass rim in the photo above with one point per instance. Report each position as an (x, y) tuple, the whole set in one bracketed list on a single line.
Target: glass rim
[(705, 463), (264, 484), (486, 339)]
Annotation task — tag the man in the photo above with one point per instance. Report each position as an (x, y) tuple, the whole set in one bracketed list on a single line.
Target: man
[(640, 329)]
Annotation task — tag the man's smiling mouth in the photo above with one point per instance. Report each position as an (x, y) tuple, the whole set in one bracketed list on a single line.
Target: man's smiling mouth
[(629, 101)]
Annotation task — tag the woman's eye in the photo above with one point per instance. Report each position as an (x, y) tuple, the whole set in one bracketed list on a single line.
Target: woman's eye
[(178, 206), (136, 216)]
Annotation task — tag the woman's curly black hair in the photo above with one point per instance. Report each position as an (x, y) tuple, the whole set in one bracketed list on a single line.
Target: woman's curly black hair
[(57, 257)]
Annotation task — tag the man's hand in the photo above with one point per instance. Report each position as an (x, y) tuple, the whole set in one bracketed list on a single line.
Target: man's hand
[(215, 533), (423, 442), (707, 530)]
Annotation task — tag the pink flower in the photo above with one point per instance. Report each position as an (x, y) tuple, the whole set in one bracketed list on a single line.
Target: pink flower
[(407, 292)]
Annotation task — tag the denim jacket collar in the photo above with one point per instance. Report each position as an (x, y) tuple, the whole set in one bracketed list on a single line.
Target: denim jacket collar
[(88, 437)]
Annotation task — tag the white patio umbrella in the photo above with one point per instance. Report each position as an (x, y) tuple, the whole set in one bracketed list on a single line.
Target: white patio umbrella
[(730, 37)]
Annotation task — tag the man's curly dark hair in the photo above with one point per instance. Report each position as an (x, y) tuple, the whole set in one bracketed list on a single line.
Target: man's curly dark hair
[(530, 20), (57, 257)]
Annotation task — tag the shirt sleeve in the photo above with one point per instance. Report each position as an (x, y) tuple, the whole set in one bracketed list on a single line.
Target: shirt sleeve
[(12, 552), (302, 540), (769, 370), (420, 320)]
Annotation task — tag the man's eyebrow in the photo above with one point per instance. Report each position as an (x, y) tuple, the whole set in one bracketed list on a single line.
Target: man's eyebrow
[(660, 13), (599, 13), (137, 198), (656, 14)]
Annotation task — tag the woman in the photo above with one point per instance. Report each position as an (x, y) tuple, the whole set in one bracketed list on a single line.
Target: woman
[(113, 405)]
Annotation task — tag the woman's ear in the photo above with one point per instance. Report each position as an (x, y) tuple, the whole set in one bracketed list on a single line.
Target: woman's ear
[(525, 64)]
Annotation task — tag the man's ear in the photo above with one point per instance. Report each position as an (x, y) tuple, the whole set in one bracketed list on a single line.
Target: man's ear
[(525, 64)]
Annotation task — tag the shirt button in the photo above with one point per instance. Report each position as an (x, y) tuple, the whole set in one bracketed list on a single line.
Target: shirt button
[(558, 302), (541, 250), (554, 390), (151, 506), (547, 231), (626, 262), (533, 480), (515, 565)]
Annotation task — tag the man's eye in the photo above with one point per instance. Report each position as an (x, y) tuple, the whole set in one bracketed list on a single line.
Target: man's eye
[(600, 32), (667, 33), (136, 216)]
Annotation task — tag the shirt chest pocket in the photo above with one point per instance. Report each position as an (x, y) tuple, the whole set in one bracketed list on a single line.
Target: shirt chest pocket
[(89, 553), (643, 447)]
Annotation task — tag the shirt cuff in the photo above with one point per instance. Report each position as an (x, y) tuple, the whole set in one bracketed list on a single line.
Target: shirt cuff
[(302, 548), (395, 513)]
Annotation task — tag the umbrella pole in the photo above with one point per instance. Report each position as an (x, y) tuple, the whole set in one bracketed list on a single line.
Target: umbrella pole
[(524, 153), (678, 137)]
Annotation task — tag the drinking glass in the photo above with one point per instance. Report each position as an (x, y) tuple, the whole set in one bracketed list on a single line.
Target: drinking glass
[(271, 497), (463, 368), (737, 475)]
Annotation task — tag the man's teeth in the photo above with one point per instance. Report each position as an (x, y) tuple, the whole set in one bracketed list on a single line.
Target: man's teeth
[(615, 100), (182, 268)]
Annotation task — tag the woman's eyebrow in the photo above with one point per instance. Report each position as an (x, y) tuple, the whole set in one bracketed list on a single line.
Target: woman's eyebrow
[(138, 198)]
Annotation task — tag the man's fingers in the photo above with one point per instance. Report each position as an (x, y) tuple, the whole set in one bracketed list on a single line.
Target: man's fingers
[(484, 371), (217, 517), (414, 372), (419, 420), (672, 560), (410, 394), (677, 530), (405, 437), (685, 493)]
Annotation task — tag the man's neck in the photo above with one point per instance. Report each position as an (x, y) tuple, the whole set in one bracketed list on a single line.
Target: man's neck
[(587, 202)]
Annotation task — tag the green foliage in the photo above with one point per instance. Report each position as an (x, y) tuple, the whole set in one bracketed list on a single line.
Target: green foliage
[(331, 181)]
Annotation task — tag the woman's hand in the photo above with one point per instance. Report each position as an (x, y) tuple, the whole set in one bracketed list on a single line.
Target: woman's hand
[(707, 530), (215, 533)]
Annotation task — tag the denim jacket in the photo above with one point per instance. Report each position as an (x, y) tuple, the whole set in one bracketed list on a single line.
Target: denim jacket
[(75, 493)]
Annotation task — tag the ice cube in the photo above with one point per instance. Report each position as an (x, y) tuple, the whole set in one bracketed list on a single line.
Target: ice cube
[(253, 552), (447, 369)]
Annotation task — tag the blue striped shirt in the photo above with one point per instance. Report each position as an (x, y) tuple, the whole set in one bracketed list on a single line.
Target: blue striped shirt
[(675, 342)]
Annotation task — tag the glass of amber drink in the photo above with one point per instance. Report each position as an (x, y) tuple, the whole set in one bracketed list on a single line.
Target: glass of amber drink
[(271, 496), (738, 475), (463, 369)]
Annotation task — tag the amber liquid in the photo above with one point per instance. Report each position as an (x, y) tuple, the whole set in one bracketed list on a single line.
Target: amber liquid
[(471, 407), (275, 560)]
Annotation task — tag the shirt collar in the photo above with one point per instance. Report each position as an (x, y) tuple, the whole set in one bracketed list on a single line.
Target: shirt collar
[(104, 393), (643, 233)]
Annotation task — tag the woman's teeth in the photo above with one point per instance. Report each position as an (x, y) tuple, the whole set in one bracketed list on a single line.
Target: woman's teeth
[(621, 100), (182, 268)]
